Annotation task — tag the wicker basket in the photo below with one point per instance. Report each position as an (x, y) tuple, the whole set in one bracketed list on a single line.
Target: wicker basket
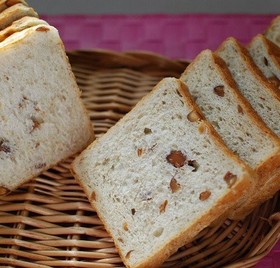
[(48, 222)]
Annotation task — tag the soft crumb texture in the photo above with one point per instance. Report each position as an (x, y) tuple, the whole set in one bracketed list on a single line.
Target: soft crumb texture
[(273, 31), (229, 114), (264, 97), (266, 56), (42, 119), (155, 176)]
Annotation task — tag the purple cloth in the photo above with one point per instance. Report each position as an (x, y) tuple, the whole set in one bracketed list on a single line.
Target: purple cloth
[(175, 36)]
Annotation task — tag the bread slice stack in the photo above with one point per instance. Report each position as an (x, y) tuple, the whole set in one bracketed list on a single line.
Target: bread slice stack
[(233, 117), (42, 118), (264, 98)]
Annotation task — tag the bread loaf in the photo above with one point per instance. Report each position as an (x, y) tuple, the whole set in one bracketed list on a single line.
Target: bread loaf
[(160, 175), (42, 119), (244, 132)]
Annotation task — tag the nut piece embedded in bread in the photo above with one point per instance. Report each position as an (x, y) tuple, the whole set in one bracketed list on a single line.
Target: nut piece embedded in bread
[(233, 117), (155, 201), (42, 119)]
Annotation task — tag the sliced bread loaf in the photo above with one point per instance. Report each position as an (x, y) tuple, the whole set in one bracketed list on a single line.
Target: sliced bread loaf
[(216, 93), (262, 95), (273, 31), (19, 25), (266, 56), (264, 98), (15, 12), (160, 175), (42, 119)]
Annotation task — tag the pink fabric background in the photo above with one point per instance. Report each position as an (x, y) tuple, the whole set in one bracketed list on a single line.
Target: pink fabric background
[(174, 36)]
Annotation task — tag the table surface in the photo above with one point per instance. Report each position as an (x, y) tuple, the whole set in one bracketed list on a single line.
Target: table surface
[(174, 36)]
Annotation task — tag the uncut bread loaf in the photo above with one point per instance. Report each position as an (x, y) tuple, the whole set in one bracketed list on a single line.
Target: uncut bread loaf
[(19, 25), (273, 31), (42, 119), (244, 132), (160, 175), (266, 56), (15, 12)]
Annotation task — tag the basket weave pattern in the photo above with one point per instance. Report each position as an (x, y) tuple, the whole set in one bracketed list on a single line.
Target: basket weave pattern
[(48, 222)]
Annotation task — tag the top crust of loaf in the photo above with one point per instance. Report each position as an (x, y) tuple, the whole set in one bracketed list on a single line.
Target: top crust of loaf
[(4, 4), (14, 13), (141, 195), (19, 25), (43, 119)]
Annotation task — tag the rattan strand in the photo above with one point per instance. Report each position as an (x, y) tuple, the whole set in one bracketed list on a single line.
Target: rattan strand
[(48, 222)]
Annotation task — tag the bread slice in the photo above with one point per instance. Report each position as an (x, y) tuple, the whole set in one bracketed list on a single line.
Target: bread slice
[(42, 119), (19, 25), (4, 4), (262, 95), (216, 93), (266, 56), (160, 175), (273, 31), (15, 12)]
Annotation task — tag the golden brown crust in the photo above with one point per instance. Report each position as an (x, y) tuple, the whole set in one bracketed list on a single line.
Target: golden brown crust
[(14, 13)]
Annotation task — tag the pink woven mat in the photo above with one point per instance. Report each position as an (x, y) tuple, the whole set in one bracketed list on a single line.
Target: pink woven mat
[(175, 36)]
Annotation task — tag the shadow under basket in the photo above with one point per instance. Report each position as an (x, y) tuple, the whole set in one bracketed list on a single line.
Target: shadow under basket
[(49, 222)]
